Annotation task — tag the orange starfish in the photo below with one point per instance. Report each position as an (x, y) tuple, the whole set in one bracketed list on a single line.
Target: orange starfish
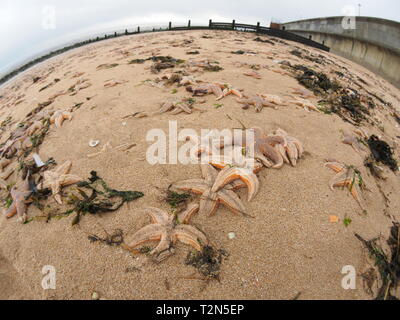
[(168, 229), (21, 197), (211, 193), (257, 101), (59, 116)]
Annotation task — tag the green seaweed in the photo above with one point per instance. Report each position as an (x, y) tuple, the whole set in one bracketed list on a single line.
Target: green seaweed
[(101, 199)]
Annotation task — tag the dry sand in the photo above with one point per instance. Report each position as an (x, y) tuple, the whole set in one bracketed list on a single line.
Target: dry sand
[(289, 247)]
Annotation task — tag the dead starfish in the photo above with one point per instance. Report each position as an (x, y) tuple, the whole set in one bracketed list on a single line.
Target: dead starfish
[(229, 89), (239, 168), (257, 101), (175, 107), (263, 147), (59, 116), (210, 200), (207, 88), (168, 229), (273, 99), (204, 146), (37, 125), (253, 74), (59, 178), (21, 197), (114, 83), (304, 93), (307, 105), (188, 80), (347, 176), (352, 141), (293, 149)]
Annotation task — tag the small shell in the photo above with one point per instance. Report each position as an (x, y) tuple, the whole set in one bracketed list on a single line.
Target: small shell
[(231, 235), (94, 143), (95, 296)]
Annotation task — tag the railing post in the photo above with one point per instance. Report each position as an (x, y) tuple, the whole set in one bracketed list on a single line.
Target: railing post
[(189, 24), (115, 33), (126, 31), (258, 27), (170, 25), (233, 24), (138, 29), (210, 23), (105, 36)]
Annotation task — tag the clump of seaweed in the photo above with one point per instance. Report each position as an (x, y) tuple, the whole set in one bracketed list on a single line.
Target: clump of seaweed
[(258, 39), (382, 152), (388, 265), (207, 262), (213, 68), (318, 82), (115, 239), (101, 199), (137, 61), (177, 200)]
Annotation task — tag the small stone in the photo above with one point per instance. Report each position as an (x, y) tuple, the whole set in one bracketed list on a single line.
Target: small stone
[(124, 124), (231, 235), (95, 296)]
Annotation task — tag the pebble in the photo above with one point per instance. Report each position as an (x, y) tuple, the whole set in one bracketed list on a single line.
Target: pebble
[(95, 296), (231, 235)]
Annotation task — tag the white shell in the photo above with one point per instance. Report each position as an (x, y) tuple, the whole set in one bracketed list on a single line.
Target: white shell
[(95, 296), (94, 143), (231, 235)]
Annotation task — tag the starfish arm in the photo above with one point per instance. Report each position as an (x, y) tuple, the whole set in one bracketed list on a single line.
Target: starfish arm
[(190, 236), (293, 154), (6, 174), (162, 250), (21, 210), (4, 162), (11, 211), (264, 160), (282, 151), (185, 107), (149, 233), (209, 173), (157, 216), (237, 93), (231, 201), (339, 180), (258, 105), (64, 168), (216, 90), (335, 166), (355, 192), (272, 154), (228, 175), (208, 203), (167, 106), (197, 186), (68, 179), (185, 216)]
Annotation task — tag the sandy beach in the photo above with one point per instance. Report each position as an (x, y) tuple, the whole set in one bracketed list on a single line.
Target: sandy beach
[(289, 247)]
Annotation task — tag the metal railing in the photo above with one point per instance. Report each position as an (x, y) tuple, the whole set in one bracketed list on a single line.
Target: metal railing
[(257, 29)]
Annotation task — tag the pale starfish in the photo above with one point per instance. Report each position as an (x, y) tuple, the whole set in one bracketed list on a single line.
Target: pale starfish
[(304, 93), (37, 125), (168, 229), (264, 147), (59, 116), (210, 200), (21, 197), (206, 145), (114, 83), (257, 101), (293, 149), (207, 88), (347, 176), (352, 141), (58, 178), (307, 105), (175, 107), (253, 74), (188, 80), (273, 99), (229, 89)]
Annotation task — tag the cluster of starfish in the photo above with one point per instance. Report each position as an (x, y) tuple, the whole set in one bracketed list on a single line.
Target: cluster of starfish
[(52, 179), (237, 171)]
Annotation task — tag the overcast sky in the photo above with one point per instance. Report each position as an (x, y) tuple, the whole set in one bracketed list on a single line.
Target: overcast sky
[(30, 27)]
